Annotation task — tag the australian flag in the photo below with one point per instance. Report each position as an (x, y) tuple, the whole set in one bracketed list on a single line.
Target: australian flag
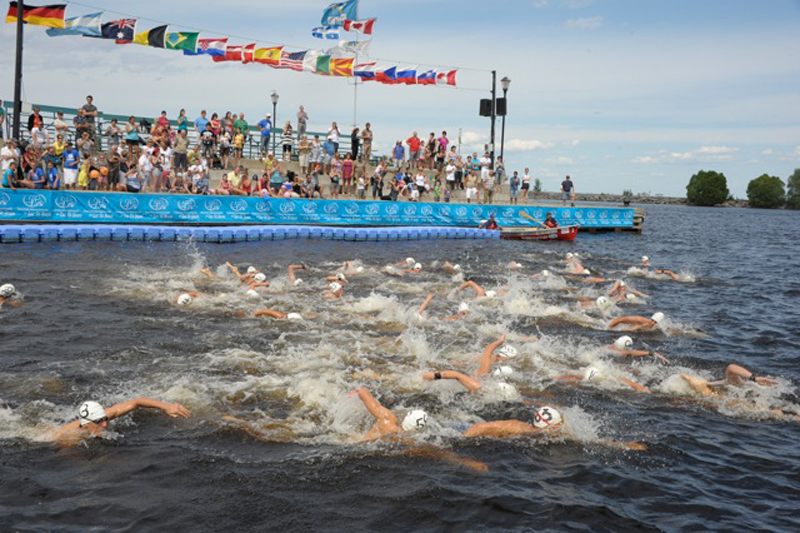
[(119, 30)]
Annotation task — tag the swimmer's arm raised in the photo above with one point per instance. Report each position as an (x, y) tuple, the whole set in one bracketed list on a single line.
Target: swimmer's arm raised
[(488, 356), (374, 406), (175, 410)]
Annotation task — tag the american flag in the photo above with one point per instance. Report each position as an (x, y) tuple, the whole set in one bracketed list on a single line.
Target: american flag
[(293, 61)]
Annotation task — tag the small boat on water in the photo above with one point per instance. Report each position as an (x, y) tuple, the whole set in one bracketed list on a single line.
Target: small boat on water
[(561, 233)]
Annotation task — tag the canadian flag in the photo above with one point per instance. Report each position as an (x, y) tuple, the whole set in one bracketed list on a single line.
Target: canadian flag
[(446, 78), (359, 26)]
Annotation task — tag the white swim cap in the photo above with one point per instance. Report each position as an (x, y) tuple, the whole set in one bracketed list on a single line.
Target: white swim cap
[(341, 277), (546, 417), (417, 266), (645, 259), (657, 317), (507, 391), (586, 272), (415, 420), (334, 287), (546, 273), (90, 412), (621, 283), (456, 267), (294, 316), (631, 296), (184, 299), (410, 261), (7, 290), (502, 371), (463, 307), (591, 373), (251, 269), (508, 351), (491, 294), (297, 281), (260, 277), (569, 255), (623, 343), (359, 270), (252, 294), (603, 302)]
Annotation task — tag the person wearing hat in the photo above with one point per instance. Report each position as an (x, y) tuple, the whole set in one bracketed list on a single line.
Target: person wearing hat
[(93, 419)]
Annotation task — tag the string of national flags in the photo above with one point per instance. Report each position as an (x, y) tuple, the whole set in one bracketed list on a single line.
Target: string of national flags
[(334, 61)]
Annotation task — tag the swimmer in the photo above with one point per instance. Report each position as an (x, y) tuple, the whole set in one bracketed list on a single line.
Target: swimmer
[(277, 314), (186, 298), (252, 276), (622, 289), (601, 302), (294, 280), (513, 265), (573, 265), (645, 261), (622, 346), (416, 269), (463, 309), (669, 273), (450, 268), (408, 263), (339, 276), (586, 276), (9, 295), (591, 373), (484, 367), (385, 421), (93, 420), (638, 323), (479, 292), (350, 268), (333, 292)]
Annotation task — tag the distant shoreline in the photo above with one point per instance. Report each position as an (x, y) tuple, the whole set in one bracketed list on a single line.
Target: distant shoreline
[(636, 199)]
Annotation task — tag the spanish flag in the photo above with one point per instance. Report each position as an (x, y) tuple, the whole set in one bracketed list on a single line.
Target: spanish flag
[(52, 15), (268, 56)]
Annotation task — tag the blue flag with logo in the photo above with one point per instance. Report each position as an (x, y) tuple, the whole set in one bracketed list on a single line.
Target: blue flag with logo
[(337, 13), (326, 32)]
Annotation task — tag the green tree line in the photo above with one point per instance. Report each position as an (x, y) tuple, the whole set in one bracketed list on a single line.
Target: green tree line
[(709, 187)]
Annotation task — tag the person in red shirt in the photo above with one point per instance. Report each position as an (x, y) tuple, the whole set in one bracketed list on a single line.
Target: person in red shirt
[(413, 143), (550, 222)]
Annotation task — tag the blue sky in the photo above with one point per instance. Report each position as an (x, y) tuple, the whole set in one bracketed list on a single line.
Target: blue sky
[(618, 94)]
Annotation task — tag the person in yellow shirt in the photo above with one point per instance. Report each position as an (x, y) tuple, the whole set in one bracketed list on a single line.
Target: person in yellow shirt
[(238, 146), (83, 175), (59, 145)]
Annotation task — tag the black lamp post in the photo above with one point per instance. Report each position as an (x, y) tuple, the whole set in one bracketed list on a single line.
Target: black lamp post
[(275, 98), (504, 83)]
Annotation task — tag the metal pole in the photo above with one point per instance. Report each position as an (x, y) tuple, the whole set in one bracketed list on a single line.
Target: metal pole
[(274, 124), (494, 113), (503, 127), (18, 74)]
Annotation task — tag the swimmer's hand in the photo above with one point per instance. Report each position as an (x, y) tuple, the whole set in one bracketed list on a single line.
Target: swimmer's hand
[(765, 381), (176, 410), (661, 358), (638, 446)]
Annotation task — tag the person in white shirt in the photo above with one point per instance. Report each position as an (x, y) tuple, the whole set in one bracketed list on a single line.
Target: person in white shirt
[(419, 180), (8, 154), (450, 175), (526, 184), (145, 167), (41, 140), (486, 164)]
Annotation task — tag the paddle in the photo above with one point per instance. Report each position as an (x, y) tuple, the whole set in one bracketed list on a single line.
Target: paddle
[(526, 215)]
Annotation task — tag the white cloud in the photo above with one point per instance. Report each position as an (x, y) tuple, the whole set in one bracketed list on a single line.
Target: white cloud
[(584, 23), (540, 4), (560, 160), (521, 145), (702, 154), (768, 151), (796, 151)]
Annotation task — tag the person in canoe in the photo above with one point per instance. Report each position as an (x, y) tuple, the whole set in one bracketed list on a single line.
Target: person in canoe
[(550, 221), (490, 224)]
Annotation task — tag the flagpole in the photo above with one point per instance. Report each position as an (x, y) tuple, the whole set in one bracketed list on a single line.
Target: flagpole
[(355, 88), (18, 73)]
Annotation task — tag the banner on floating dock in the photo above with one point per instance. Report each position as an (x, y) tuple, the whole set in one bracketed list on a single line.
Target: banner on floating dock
[(115, 208)]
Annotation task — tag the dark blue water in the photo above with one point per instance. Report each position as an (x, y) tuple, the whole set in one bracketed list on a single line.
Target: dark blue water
[(96, 323)]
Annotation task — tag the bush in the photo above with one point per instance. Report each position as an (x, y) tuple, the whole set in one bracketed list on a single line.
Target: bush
[(766, 191), (793, 190), (537, 186), (707, 187)]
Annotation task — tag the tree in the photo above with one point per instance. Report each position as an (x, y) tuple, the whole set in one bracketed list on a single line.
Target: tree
[(537, 186), (766, 191), (707, 187), (793, 190)]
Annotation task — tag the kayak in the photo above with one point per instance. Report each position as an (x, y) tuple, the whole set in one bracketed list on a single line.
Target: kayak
[(562, 233)]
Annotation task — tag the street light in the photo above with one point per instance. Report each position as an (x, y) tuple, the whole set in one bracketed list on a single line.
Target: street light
[(504, 83), (274, 97)]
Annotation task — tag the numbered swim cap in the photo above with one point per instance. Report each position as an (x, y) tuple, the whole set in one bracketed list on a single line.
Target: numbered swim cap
[(417, 266), (657, 317), (603, 302), (645, 259), (491, 294), (251, 269), (294, 316), (591, 373), (341, 277), (334, 287), (415, 420), (90, 412), (507, 391), (502, 371), (184, 299), (507, 351), (7, 290), (546, 417), (260, 277), (623, 343)]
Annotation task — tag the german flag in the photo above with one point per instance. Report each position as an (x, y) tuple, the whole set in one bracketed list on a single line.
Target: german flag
[(52, 15)]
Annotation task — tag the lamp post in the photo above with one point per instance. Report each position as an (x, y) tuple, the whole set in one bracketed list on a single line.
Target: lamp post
[(504, 83), (274, 97), (493, 115)]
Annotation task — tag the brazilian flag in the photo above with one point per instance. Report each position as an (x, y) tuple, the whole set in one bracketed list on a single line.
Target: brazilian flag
[(182, 41)]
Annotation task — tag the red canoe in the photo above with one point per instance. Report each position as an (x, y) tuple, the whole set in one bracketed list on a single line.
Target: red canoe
[(563, 233)]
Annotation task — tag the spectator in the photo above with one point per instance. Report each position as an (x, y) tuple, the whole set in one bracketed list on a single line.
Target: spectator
[(163, 121), (207, 141), (131, 139), (450, 176), (286, 141), (35, 119), (471, 183), (215, 125), (398, 154), (329, 150), (81, 124), (10, 176), (183, 122), (59, 145), (265, 127), (354, 143), (413, 143), (459, 174), (132, 182), (499, 171), (430, 151), (60, 125), (224, 148), (40, 137), (201, 187), (113, 160), (366, 139), (347, 175), (181, 161), (302, 121), (226, 124), (333, 136), (276, 179), (241, 125), (526, 184), (86, 145), (238, 148), (315, 156), (2, 121), (72, 159), (567, 192), (488, 187), (485, 166), (335, 175), (53, 179), (179, 185), (200, 123), (113, 132), (361, 187), (441, 150), (90, 112), (303, 152), (513, 188), (50, 156), (421, 183), (270, 163)]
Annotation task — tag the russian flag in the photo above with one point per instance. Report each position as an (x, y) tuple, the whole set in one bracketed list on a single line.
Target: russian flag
[(446, 78), (407, 75), (365, 71), (427, 77), (388, 75)]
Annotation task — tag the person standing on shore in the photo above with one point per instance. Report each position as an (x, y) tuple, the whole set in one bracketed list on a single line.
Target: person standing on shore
[(354, 142), (513, 189), (302, 122), (413, 143), (567, 192), (366, 140), (265, 127)]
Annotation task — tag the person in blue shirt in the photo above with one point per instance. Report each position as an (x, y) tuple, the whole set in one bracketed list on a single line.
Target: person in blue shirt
[(10, 176), (513, 188), (71, 161), (201, 187), (276, 179), (399, 154), (53, 179), (329, 148), (265, 125), (36, 177), (200, 122)]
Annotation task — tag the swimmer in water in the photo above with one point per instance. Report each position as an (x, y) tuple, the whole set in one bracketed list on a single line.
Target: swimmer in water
[(479, 291), (573, 265), (385, 421), (645, 261), (416, 269), (277, 314), (9, 295), (601, 302), (339, 276), (408, 263), (623, 346), (293, 279), (450, 268), (253, 275), (333, 292), (186, 298), (513, 265), (669, 273), (463, 309), (488, 358), (620, 291), (351, 269), (93, 419), (638, 323), (592, 373), (586, 276)]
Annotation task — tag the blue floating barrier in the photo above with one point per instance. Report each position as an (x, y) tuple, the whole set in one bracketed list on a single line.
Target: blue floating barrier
[(362, 235), (169, 234), (254, 234), (68, 233), (304, 231), (30, 234), (278, 234), (49, 234), (394, 235), (152, 234), (184, 234), (103, 233), (338, 234), (461, 233), (85, 233), (11, 234), (119, 233), (292, 233), (382, 234), (135, 233), (211, 235), (226, 235), (199, 234), (315, 233), (327, 233)]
